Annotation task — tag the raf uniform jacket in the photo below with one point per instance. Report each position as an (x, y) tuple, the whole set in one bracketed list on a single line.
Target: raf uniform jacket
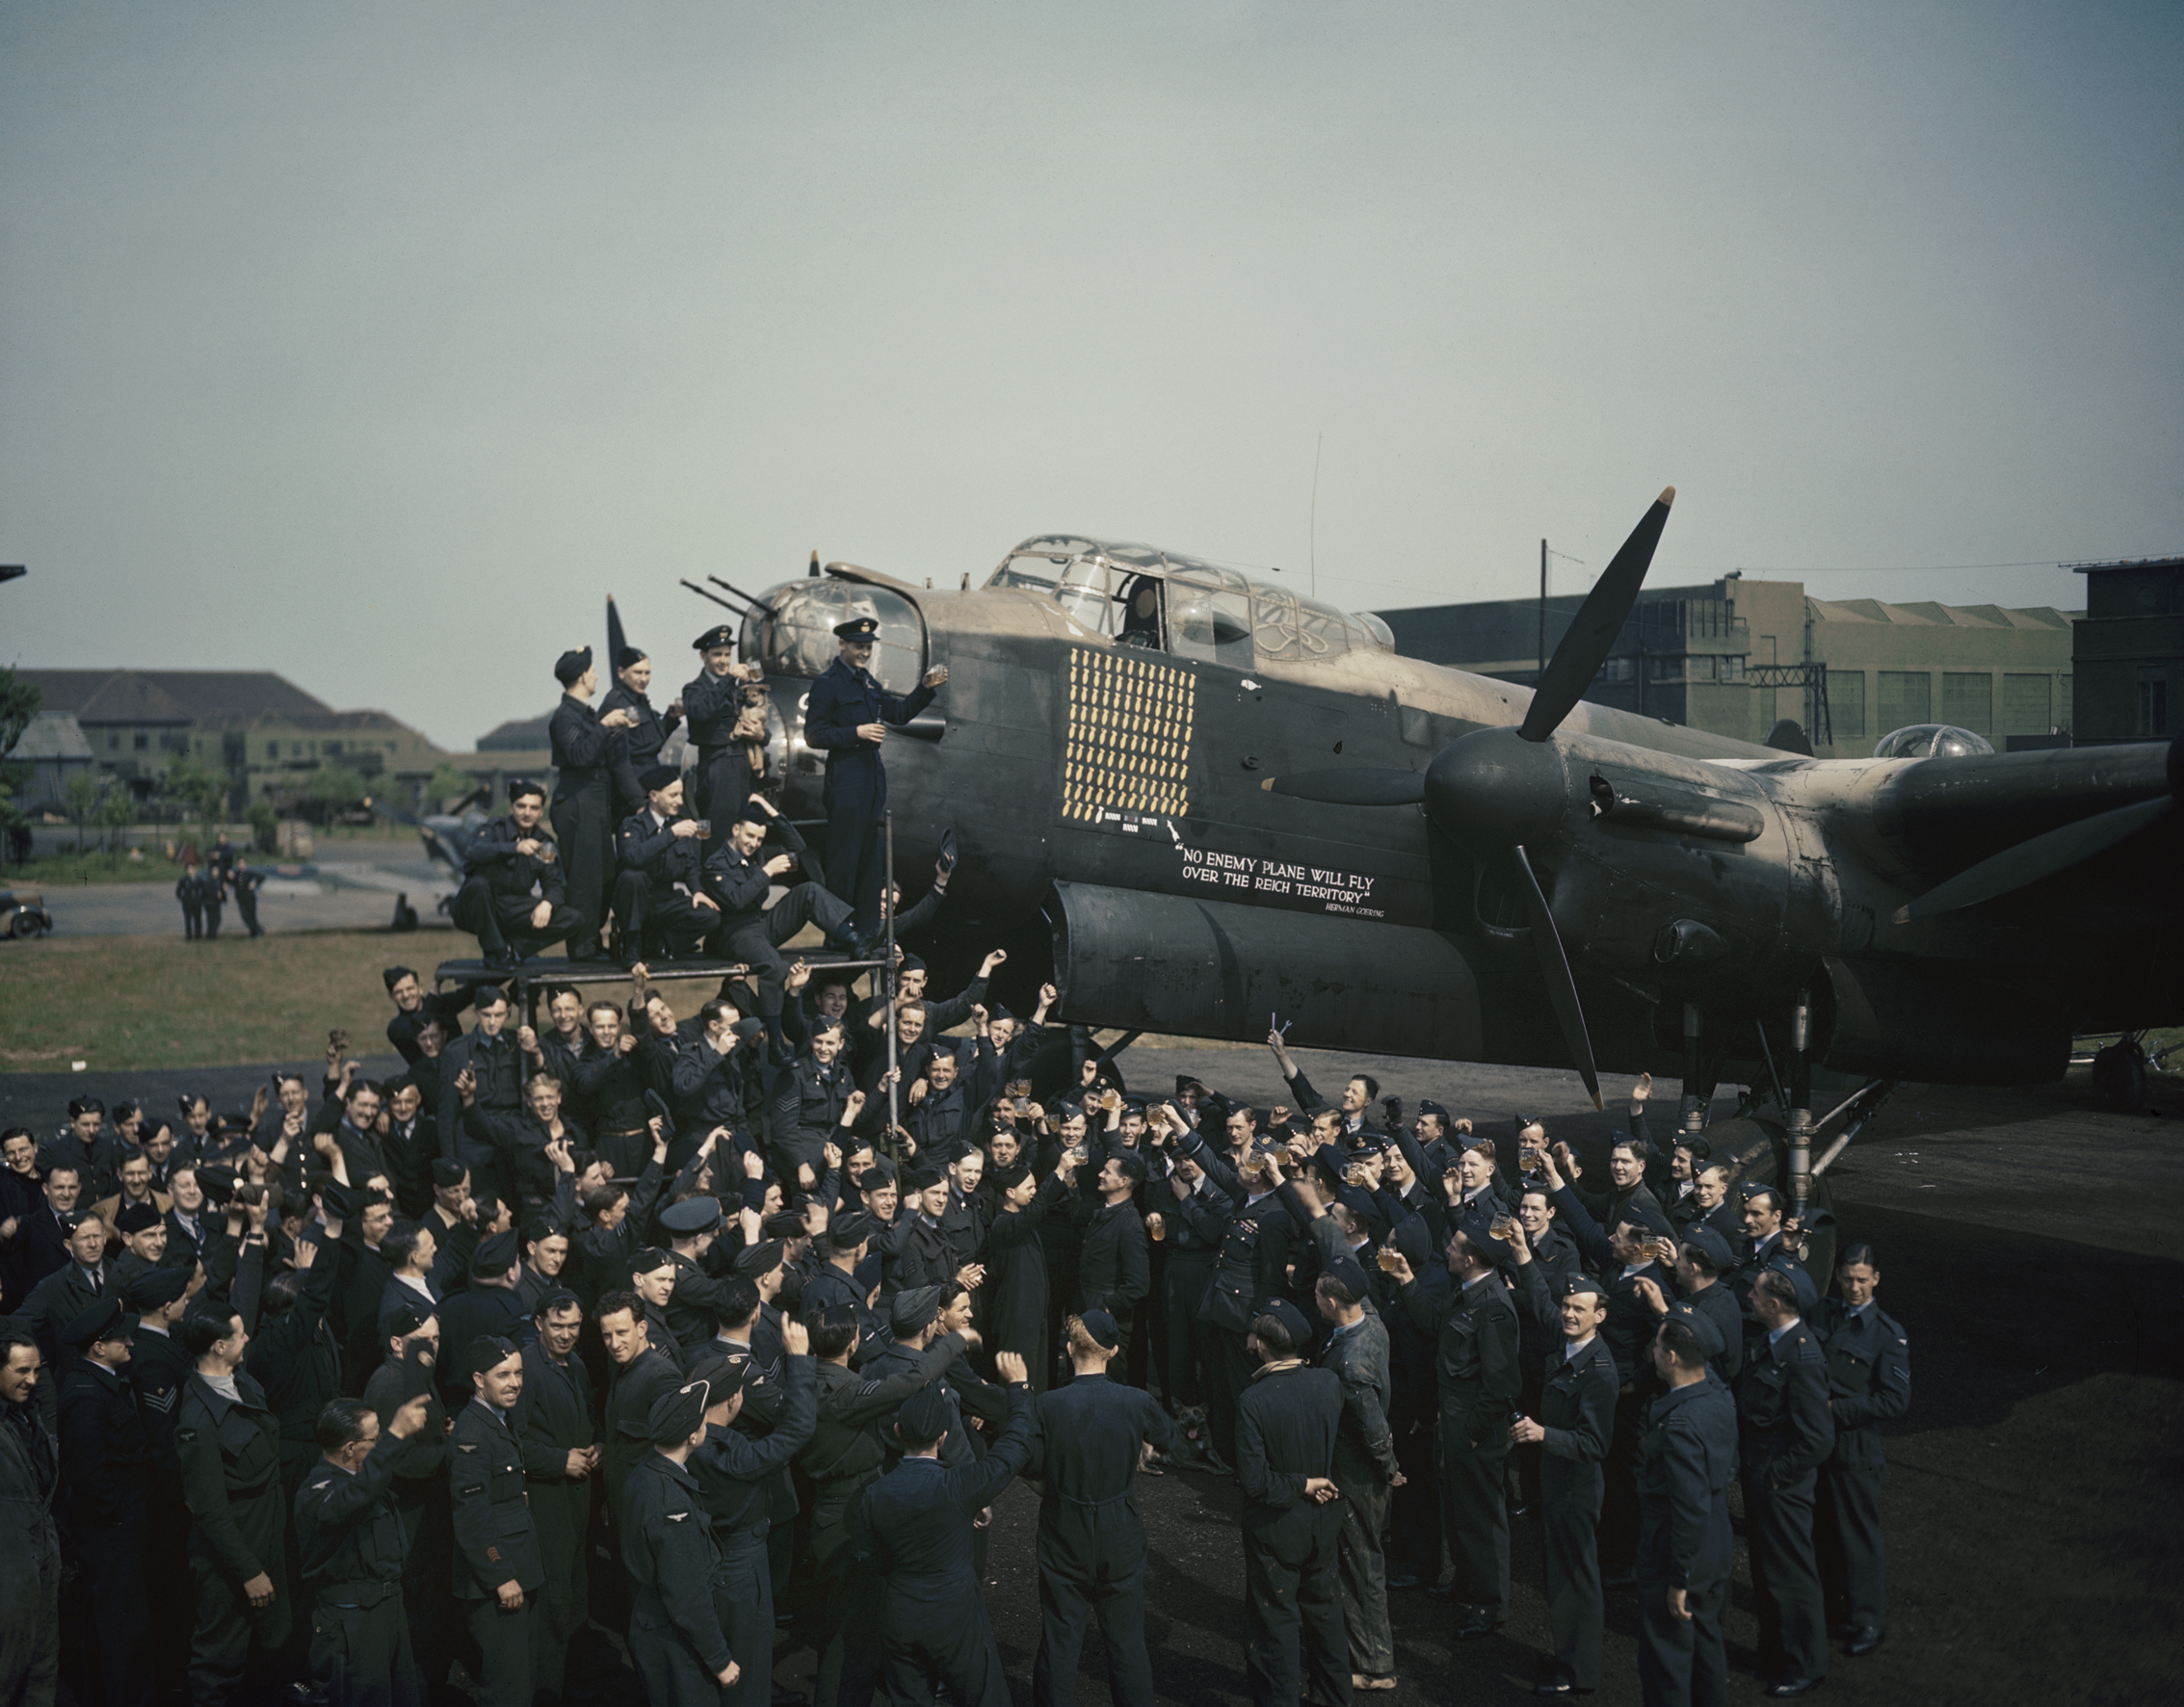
[(1782, 1406), (740, 881), (158, 1370), (913, 1527), (629, 1401), (1113, 1268), (106, 1459), (1251, 1267), (669, 1551), (582, 752), (512, 876), (552, 1415), (1686, 1461), (639, 749), (672, 864), (1476, 1352), (1577, 1408), (350, 1539), (495, 1541), (1869, 1378), (230, 1457), (1287, 1422), (842, 700)]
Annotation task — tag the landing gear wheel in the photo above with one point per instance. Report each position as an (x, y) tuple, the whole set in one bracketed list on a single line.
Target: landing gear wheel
[(1761, 1151), (2120, 1075)]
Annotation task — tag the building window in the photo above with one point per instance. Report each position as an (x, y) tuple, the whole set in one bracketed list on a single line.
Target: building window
[(1733, 668), (1967, 700), (144, 741), (272, 752), (1665, 669), (1846, 704), (1620, 670), (2153, 699), (1907, 697), (2025, 706), (1700, 668), (113, 741)]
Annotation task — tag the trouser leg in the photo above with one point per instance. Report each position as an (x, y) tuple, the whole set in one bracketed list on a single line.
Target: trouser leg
[(752, 944), (743, 1598), (1618, 1500), (474, 911), (1272, 1629), (166, 1540), (110, 1584), (1786, 1579), (1064, 1611), (807, 903), (632, 909), (559, 1514), (1476, 1517), (1227, 1381), (1847, 1538), (1319, 1609), (1362, 1569), (1417, 1502), (212, 923), (507, 1644), (1120, 1606), (1570, 1499)]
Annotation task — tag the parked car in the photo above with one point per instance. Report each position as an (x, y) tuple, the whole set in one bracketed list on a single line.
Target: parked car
[(23, 914)]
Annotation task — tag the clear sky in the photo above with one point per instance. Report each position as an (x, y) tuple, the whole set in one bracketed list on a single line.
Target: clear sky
[(376, 343)]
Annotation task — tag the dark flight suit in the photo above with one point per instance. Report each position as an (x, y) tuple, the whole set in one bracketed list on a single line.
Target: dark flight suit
[(247, 883), (106, 1468), (1786, 1435), (660, 875), (913, 1530), (1476, 1366), (189, 892), (639, 749), (231, 1455), (212, 895), (668, 1552), (502, 887), (583, 815), (1114, 1269), (1364, 1465), (1286, 1427), (552, 1418), (749, 930), (1688, 1457), (30, 1557), (351, 1542), (1091, 1540), (734, 1475), (721, 783), (158, 1369), (841, 1460), (856, 781), (1191, 1253), (1869, 1378), (1414, 1515), (495, 1542), (1577, 1408)]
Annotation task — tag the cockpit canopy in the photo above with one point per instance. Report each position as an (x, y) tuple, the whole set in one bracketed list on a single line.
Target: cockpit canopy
[(1930, 741), (1142, 596)]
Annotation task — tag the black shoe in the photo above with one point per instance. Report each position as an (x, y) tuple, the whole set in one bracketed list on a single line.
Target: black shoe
[(1518, 1507), (1863, 1641), (1558, 1686), (499, 959), (1476, 1627), (1791, 1687), (1441, 1591), (1404, 1579), (785, 1697)]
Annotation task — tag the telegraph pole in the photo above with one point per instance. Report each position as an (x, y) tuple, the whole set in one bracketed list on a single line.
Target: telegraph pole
[(1542, 610)]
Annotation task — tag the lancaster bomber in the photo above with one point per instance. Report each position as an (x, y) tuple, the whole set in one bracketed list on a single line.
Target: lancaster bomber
[(1203, 805)]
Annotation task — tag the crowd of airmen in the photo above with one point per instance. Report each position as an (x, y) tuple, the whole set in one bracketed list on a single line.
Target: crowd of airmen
[(691, 1328), (616, 1323)]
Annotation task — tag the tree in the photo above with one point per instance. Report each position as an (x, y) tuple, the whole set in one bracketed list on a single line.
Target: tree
[(336, 788), (201, 791), (115, 812), (447, 783), (81, 796), (265, 825), (19, 701)]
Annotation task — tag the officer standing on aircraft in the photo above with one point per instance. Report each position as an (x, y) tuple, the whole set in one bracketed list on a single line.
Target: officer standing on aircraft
[(585, 746), (847, 717), (714, 703), (639, 743)]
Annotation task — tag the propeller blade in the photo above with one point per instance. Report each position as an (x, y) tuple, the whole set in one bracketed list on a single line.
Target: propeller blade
[(1600, 618), (1360, 785), (1554, 970), (615, 640), (2029, 861)]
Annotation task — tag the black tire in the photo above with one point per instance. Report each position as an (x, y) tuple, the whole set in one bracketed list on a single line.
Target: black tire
[(2120, 1076), (29, 928), (1761, 1151)]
